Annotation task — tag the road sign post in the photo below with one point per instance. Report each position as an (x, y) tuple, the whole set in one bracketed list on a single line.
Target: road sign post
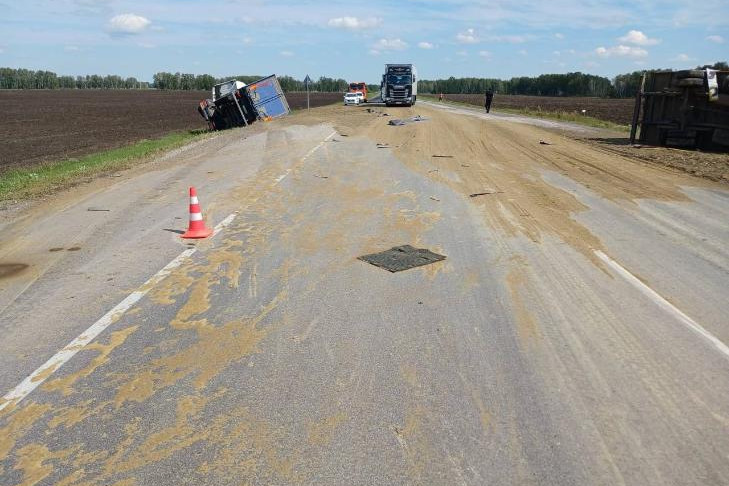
[(307, 82)]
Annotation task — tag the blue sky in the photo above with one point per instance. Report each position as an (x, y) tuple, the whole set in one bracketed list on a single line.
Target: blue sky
[(482, 38)]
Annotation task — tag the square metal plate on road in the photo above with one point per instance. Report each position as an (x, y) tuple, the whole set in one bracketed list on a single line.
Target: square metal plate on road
[(402, 258)]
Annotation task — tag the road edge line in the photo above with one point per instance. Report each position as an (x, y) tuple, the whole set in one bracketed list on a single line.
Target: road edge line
[(663, 303)]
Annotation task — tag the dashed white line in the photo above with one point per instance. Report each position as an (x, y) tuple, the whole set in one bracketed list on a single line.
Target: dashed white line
[(41, 374), (664, 304), (308, 154), (69, 351)]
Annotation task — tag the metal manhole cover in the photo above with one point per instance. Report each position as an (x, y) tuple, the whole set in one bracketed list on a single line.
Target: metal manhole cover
[(402, 258)]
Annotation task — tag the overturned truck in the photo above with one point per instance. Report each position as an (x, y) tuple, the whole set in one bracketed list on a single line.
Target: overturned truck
[(687, 108), (235, 104)]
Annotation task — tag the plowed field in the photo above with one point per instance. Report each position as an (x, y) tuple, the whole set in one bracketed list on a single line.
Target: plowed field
[(618, 111), (45, 125)]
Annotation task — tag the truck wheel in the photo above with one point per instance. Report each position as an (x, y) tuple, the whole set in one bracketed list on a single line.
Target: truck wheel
[(691, 83), (690, 73)]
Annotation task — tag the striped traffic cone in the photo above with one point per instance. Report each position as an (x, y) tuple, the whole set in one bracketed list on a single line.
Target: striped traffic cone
[(196, 228)]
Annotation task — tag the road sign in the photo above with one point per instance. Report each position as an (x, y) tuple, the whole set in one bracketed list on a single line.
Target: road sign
[(307, 82)]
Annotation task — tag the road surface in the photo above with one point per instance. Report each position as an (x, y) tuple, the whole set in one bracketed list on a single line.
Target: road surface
[(575, 334)]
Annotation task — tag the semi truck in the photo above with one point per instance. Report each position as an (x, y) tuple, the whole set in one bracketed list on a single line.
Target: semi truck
[(235, 104), (688, 108), (399, 85), (359, 87)]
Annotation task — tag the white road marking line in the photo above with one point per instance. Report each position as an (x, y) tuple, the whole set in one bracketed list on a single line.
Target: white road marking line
[(69, 351), (308, 154), (663, 303)]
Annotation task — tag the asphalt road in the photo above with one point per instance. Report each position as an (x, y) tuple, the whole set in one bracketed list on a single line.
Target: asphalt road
[(575, 334)]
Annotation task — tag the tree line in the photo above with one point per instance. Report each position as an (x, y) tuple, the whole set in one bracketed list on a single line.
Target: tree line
[(28, 79), (183, 81), (570, 84)]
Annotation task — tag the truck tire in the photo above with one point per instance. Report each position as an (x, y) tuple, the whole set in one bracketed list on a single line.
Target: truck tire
[(690, 73), (691, 83)]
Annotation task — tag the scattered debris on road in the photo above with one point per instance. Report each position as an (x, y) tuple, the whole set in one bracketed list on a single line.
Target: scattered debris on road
[(10, 269), (400, 122), (383, 145), (434, 198), (321, 176), (465, 165), (442, 156), (542, 142), (401, 258), (97, 209), (485, 193)]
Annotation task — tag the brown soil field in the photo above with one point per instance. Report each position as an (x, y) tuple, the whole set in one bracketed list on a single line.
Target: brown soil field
[(618, 111), (46, 125)]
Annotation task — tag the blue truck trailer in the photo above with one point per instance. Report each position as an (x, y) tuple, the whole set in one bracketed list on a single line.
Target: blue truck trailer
[(235, 104)]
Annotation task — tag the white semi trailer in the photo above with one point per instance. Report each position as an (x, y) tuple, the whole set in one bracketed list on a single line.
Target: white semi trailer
[(399, 84)]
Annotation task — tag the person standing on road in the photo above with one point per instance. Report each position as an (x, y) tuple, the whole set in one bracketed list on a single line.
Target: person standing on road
[(488, 100), (440, 97)]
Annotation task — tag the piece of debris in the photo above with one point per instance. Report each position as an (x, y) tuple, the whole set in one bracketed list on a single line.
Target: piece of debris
[(383, 145), (321, 176), (442, 156), (485, 193), (401, 258), (434, 198), (465, 165), (432, 170), (396, 122), (542, 142), (418, 118), (343, 135), (97, 209), (334, 140)]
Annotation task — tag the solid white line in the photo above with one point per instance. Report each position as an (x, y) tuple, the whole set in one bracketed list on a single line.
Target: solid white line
[(69, 351), (664, 304), (308, 154)]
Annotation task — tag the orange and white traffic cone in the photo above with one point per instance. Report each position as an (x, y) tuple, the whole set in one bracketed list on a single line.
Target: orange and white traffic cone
[(196, 228)]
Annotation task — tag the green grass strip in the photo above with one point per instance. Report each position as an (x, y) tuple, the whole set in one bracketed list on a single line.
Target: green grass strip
[(28, 182), (566, 116)]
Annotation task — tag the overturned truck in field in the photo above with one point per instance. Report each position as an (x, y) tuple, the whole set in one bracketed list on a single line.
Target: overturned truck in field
[(687, 109), (236, 104)]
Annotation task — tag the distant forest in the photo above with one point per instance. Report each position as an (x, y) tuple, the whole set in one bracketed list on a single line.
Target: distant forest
[(570, 84)]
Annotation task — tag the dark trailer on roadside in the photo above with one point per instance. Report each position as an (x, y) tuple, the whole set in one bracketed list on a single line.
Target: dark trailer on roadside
[(236, 104), (688, 109)]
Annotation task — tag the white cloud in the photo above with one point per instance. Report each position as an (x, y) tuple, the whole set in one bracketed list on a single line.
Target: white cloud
[(354, 23), (512, 39), (374, 52), (147, 45), (621, 51), (715, 38), (128, 24), (638, 38), (71, 48), (559, 36), (467, 37), (425, 45), (683, 58), (523, 52), (591, 64), (462, 53), (485, 54), (287, 53), (390, 45)]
